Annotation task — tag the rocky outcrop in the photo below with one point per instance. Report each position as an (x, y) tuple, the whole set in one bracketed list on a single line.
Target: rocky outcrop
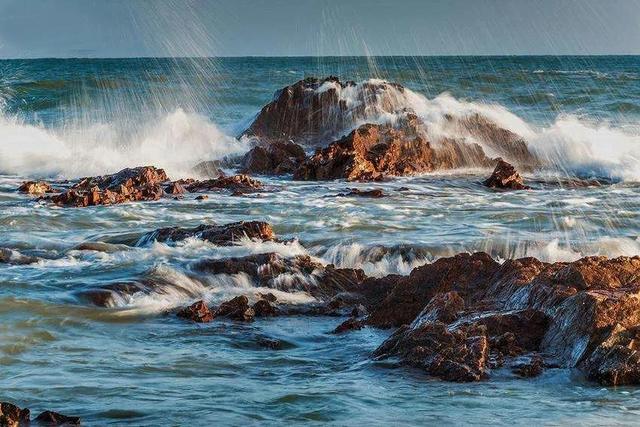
[(374, 151), (276, 158), (375, 193), (505, 177), (129, 185), (36, 188), (13, 416), (222, 235), (237, 309), (196, 312)]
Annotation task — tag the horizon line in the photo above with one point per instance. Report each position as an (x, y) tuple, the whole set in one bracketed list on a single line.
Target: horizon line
[(322, 56)]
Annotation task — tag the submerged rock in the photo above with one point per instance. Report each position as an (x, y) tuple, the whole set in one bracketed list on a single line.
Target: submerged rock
[(276, 158), (222, 235), (13, 257), (197, 312), (375, 193), (351, 324), (50, 418), (505, 177)]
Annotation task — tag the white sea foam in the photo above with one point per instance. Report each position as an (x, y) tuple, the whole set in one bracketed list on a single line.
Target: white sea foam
[(176, 142)]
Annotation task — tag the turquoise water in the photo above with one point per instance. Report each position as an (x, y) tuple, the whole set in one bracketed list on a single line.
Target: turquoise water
[(134, 364)]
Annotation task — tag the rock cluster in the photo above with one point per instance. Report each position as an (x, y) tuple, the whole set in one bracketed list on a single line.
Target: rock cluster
[(276, 158), (13, 416), (237, 308)]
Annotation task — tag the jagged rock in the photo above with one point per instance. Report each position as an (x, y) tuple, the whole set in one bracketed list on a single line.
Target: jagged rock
[(505, 177), (233, 183), (222, 235), (197, 312), (50, 418), (442, 307), (273, 159), (351, 324), (36, 188), (236, 309), (459, 355), (263, 308), (375, 193), (13, 416), (131, 184)]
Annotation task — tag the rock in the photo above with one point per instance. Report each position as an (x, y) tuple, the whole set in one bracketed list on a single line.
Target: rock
[(202, 197), (466, 274), (459, 355), (13, 257), (276, 158), (36, 188), (350, 324), (505, 177), (128, 185), (376, 193), (263, 308), (233, 183), (50, 418), (299, 273), (270, 343), (533, 367), (197, 312), (442, 307), (236, 309), (268, 297), (174, 188), (209, 169), (312, 111), (222, 235), (13, 416)]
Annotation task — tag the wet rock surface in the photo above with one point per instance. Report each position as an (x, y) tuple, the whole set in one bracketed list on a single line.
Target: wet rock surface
[(505, 177), (233, 183), (222, 235), (197, 312), (273, 159), (36, 188), (13, 416)]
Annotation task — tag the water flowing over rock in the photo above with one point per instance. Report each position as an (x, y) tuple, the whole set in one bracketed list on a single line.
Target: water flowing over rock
[(505, 177), (584, 314), (223, 235), (375, 193), (276, 158)]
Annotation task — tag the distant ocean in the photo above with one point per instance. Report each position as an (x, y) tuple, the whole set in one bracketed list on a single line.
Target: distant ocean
[(130, 363)]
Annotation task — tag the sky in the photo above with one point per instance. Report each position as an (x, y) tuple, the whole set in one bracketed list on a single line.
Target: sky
[(133, 28)]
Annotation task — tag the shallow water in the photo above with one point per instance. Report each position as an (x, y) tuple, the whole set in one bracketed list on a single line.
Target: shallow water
[(133, 364)]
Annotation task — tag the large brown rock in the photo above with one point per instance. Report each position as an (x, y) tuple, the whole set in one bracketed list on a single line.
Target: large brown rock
[(50, 418), (505, 177), (235, 183), (197, 312), (36, 188), (222, 235), (466, 274), (273, 159), (237, 309), (128, 185)]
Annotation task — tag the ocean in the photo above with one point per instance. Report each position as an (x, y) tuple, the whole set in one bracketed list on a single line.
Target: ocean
[(133, 363)]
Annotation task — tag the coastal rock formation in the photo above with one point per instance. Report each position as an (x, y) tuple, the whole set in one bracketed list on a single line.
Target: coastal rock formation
[(276, 158), (505, 177), (50, 418), (375, 193), (317, 112), (222, 235), (237, 309), (197, 312), (128, 185)]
